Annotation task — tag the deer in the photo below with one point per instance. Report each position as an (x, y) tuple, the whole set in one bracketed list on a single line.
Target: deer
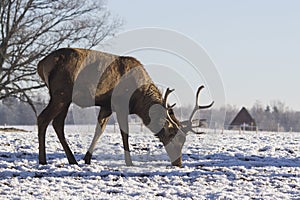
[(117, 84)]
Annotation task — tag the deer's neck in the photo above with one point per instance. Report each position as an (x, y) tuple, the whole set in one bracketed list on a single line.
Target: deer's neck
[(148, 106)]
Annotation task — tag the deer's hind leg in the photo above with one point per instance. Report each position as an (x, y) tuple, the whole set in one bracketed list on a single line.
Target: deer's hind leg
[(58, 125), (47, 115)]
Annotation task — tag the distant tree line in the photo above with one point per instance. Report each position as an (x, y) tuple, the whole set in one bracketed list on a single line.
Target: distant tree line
[(273, 117), (268, 117), (276, 116), (16, 112)]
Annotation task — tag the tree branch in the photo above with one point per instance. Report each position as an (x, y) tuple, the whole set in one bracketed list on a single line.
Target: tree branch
[(32, 29)]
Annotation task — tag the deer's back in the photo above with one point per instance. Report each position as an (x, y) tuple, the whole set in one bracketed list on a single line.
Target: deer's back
[(88, 74)]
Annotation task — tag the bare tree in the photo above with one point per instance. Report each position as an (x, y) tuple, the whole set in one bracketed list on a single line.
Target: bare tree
[(30, 29)]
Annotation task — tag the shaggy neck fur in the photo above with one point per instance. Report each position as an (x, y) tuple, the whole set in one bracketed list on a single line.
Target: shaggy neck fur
[(149, 107)]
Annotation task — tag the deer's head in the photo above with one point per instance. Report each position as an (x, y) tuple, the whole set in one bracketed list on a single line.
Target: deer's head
[(173, 134)]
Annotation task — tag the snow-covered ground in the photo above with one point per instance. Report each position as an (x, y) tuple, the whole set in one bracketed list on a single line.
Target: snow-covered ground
[(216, 166)]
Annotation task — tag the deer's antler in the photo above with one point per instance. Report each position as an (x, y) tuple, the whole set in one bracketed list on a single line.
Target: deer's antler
[(165, 100), (165, 103), (197, 106), (188, 124)]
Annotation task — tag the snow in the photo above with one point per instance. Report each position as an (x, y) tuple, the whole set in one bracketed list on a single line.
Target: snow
[(229, 165)]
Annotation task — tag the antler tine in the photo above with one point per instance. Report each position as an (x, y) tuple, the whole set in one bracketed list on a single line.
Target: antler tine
[(172, 106), (188, 124), (207, 106), (165, 103), (197, 107), (168, 91), (196, 104), (197, 99), (197, 94)]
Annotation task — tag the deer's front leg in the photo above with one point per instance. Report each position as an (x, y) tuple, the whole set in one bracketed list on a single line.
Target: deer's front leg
[(123, 123), (128, 160), (103, 118)]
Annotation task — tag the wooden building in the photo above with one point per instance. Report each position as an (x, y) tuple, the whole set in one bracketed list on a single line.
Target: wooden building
[(243, 121)]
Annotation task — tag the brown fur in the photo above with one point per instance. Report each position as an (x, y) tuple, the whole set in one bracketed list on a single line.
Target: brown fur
[(72, 75)]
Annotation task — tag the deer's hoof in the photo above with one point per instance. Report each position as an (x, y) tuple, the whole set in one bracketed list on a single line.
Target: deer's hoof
[(178, 162), (128, 163), (42, 163), (87, 158)]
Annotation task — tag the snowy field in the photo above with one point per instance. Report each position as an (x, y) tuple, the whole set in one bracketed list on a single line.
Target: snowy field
[(216, 166)]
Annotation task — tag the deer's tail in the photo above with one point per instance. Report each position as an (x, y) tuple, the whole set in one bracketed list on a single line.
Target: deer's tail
[(45, 67)]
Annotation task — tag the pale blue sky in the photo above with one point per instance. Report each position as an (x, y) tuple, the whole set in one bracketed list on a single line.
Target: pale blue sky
[(255, 44)]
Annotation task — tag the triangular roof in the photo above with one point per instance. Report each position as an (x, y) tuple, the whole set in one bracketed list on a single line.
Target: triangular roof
[(243, 117)]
